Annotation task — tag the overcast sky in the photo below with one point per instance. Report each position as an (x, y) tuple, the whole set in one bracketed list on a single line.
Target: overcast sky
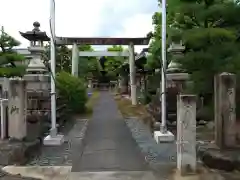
[(80, 18)]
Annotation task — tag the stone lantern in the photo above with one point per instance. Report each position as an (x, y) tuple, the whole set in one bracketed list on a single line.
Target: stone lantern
[(37, 81), (176, 76), (36, 38), (37, 76), (177, 51)]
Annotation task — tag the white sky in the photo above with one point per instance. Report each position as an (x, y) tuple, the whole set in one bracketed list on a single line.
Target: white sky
[(80, 18)]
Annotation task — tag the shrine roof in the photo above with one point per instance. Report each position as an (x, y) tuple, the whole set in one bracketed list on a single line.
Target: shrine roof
[(102, 40)]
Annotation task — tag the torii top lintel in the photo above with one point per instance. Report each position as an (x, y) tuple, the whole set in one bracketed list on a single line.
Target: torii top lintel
[(101, 41)]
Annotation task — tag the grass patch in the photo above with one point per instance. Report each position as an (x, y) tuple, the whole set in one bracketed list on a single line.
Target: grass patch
[(91, 102), (128, 110), (89, 106)]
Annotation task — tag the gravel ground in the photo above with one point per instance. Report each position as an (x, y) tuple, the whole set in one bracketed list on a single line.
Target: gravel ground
[(61, 156), (156, 155)]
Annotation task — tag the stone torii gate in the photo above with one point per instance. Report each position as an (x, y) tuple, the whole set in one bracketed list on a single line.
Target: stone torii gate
[(54, 138), (105, 41)]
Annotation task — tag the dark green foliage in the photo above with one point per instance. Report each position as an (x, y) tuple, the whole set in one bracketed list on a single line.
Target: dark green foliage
[(210, 31), (72, 91), (88, 66), (112, 64), (145, 98), (10, 62)]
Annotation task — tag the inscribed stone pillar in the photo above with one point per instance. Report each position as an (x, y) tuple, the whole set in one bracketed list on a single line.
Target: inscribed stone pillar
[(132, 71), (186, 133), (17, 102), (75, 57), (225, 109)]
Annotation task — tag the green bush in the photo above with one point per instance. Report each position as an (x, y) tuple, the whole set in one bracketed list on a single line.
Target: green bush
[(145, 98), (72, 91)]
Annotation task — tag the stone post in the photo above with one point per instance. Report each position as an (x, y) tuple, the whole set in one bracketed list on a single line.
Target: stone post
[(186, 133), (3, 105), (90, 83), (132, 71), (17, 102), (121, 84), (5, 87), (225, 109), (75, 57)]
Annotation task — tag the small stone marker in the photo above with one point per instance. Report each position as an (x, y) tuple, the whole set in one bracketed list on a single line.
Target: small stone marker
[(186, 133)]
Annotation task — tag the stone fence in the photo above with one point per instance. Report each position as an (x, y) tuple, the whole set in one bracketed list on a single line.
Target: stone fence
[(25, 113)]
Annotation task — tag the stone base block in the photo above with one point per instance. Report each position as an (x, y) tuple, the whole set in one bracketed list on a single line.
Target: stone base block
[(163, 137), (53, 141), (214, 158)]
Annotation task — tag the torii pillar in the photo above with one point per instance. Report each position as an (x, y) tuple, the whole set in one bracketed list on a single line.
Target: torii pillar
[(75, 58), (132, 72)]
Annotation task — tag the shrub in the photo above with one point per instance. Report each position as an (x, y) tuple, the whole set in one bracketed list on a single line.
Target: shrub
[(72, 90)]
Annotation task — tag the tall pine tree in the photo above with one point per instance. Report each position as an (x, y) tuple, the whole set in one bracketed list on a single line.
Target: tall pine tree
[(210, 31)]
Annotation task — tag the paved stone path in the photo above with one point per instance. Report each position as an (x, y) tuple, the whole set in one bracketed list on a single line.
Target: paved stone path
[(108, 144)]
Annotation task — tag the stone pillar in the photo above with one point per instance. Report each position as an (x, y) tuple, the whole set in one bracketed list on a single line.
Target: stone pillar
[(90, 83), (225, 109), (186, 133), (132, 74), (3, 105), (120, 83), (17, 101), (5, 87), (75, 57)]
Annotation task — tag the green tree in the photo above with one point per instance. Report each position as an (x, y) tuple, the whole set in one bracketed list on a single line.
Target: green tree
[(113, 63), (209, 30), (88, 66), (11, 63), (63, 58)]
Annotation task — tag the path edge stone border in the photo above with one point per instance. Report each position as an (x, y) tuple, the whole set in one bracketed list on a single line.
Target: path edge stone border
[(80, 146)]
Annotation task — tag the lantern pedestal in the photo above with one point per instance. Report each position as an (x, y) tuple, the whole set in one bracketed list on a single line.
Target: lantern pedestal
[(163, 137), (53, 140)]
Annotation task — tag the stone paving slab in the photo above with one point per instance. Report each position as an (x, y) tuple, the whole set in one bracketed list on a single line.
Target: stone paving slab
[(113, 175), (108, 144)]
